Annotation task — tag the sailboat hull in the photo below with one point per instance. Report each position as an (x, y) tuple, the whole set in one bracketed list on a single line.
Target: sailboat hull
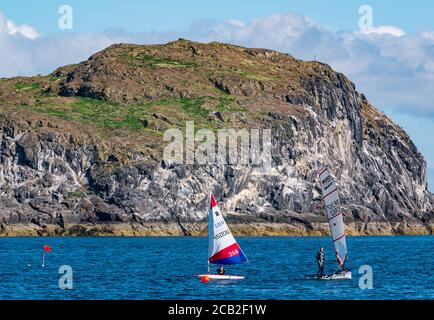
[(219, 277), (338, 276)]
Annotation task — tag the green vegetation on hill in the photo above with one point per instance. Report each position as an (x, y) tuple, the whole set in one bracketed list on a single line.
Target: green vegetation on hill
[(24, 86), (153, 61), (112, 115)]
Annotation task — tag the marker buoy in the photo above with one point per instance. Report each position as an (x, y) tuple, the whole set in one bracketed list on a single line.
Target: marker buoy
[(204, 279)]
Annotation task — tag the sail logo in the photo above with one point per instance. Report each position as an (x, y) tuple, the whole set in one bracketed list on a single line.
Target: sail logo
[(222, 234), (219, 224), (333, 208), (327, 183), (326, 180), (219, 147)]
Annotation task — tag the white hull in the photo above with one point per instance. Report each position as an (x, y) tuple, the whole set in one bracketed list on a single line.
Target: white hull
[(338, 276), (219, 277)]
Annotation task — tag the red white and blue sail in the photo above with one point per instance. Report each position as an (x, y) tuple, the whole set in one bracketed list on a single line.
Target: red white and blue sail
[(222, 248), (334, 215)]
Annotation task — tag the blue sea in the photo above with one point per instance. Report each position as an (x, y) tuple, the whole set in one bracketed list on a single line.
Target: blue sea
[(162, 268)]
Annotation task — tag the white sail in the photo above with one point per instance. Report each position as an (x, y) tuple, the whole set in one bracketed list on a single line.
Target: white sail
[(334, 215), (222, 248)]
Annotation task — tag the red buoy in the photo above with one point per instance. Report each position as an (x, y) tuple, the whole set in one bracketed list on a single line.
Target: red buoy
[(204, 279)]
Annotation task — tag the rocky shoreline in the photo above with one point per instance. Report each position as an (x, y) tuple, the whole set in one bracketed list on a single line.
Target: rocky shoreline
[(200, 229)]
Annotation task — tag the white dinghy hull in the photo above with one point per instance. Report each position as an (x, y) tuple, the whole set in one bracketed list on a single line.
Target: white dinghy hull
[(219, 277), (338, 276)]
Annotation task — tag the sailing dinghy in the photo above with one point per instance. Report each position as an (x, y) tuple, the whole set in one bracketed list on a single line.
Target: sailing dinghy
[(222, 246), (336, 223)]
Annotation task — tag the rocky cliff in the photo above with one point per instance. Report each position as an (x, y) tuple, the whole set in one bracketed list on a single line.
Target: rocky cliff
[(81, 149)]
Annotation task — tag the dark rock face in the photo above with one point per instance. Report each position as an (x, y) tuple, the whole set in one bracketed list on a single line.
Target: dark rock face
[(317, 118)]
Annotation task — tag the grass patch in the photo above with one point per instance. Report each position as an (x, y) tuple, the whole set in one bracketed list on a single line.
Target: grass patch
[(194, 107), (105, 114), (157, 62), (228, 103), (52, 77), (24, 86), (136, 117)]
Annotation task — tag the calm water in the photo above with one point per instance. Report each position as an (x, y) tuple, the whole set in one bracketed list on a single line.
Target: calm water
[(162, 268)]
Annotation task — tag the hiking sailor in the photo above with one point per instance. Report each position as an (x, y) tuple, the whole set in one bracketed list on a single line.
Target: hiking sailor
[(220, 270)]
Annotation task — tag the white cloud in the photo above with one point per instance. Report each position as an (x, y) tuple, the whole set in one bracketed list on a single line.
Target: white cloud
[(9, 27), (381, 30), (237, 23), (23, 29), (428, 35)]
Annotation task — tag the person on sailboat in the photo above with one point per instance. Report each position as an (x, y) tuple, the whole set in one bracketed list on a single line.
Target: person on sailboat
[(320, 261), (220, 270)]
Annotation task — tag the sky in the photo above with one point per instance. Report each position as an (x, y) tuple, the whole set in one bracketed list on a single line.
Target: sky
[(385, 47)]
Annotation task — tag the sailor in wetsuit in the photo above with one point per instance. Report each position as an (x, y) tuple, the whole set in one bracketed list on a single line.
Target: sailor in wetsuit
[(320, 261), (220, 270)]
